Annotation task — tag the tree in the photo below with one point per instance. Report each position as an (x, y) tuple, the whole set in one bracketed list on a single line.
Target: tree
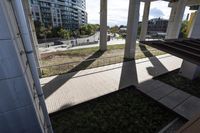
[(122, 26), (139, 29), (114, 29), (44, 31), (37, 28), (88, 29), (97, 27), (76, 33), (41, 30), (184, 27), (55, 32), (65, 34)]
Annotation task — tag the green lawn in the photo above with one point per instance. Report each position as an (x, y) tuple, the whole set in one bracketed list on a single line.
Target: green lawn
[(125, 111), (80, 55), (174, 79)]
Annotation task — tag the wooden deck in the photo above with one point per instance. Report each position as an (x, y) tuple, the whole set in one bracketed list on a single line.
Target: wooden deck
[(192, 126), (187, 49)]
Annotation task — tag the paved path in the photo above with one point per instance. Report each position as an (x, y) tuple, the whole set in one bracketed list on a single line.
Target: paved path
[(74, 88), (61, 48), (180, 102), (111, 42)]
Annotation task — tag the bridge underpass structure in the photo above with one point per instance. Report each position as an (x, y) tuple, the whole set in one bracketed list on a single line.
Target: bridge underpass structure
[(22, 106), (190, 68)]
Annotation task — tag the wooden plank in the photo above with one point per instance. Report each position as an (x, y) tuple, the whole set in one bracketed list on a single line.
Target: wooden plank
[(188, 45), (193, 126), (188, 49), (184, 48)]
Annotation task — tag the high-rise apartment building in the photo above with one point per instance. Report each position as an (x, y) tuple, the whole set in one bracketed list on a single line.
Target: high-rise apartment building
[(69, 14)]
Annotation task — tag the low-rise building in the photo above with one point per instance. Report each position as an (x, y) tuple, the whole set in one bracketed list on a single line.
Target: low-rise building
[(157, 25)]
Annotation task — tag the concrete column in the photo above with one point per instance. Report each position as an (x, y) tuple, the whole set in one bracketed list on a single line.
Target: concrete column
[(175, 20), (145, 21), (103, 25), (194, 31), (190, 70), (132, 26)]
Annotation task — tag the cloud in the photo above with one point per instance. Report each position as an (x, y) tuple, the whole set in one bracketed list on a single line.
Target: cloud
[(93, 10), (156, 13), (118, 11)]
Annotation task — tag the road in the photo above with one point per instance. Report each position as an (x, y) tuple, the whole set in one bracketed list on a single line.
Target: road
[(64, 48)]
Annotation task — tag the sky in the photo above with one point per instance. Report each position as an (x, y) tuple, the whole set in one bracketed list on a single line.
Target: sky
[(118, 11)]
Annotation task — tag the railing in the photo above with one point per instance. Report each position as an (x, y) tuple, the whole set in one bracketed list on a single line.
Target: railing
[(92, 63), (79, 65)]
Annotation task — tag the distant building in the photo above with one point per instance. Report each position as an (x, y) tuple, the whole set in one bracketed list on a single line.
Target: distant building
[(157, 26), (123, 31), (70, 14)]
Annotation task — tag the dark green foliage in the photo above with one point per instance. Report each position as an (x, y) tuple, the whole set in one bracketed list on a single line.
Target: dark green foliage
[(125, 111), (184, 27), (114, 29), (65, 34), (187, 85), (55, 32), (88, 29), (60, 32)]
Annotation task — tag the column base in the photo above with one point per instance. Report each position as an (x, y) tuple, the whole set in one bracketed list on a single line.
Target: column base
[(141, 44), (103, 46), (189, 70), (128, 59), (103, 49)]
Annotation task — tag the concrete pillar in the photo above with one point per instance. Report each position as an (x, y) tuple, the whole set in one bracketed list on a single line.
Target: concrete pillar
[(20, 107), (145, 21), (190, 70), (195, 28), (132, 26), (103, 25), (175, 20)]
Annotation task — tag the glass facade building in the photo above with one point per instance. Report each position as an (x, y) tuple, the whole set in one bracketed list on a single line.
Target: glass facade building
[(70, 14)]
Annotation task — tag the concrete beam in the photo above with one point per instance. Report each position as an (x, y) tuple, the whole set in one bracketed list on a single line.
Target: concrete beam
[(132, 26), (145, 21), (193, 2), (103, 25)]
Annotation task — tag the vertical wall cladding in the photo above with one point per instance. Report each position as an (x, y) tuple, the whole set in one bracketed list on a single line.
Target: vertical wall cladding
[(3, 27), (9, 65), (20, 109), (21, 120)]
